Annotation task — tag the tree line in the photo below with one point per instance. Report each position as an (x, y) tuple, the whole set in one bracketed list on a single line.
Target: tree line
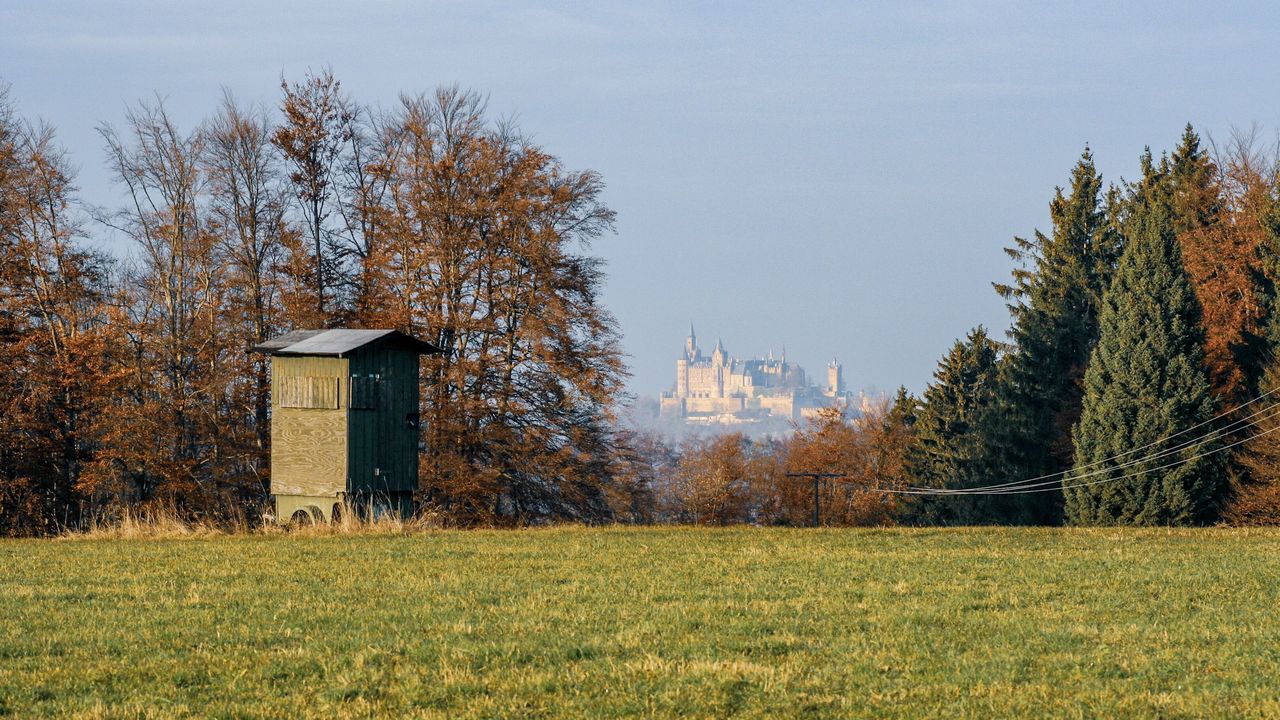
[(1147, 309), (1139, 383), (1145, 326), (126, 376), (730, 479)]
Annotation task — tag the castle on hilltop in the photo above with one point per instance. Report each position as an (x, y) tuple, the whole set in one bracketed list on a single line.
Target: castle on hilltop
[(723, 390)]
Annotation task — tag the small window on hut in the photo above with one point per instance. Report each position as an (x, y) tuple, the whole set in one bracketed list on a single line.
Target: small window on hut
[(308, 392), (364, 392)]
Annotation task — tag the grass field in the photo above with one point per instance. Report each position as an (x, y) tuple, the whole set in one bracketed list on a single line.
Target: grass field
[(646, 622)]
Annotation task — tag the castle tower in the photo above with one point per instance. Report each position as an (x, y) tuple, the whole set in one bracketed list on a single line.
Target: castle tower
[(835, 379), (691, 355), (719, 361)]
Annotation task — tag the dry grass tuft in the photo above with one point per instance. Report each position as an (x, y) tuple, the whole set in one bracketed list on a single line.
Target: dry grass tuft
[(147, 523), (165, 523)]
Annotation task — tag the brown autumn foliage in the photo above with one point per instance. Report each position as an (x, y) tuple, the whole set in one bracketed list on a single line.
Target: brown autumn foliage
[(260, 258), (53, 333), (643, 466), (167, 435), (1231, 291), (316, 129), (1227, 210), (713, 482), (869, 451), (730, 479), (1223, 205), (1256, 496), (479, 248), (129, 385)]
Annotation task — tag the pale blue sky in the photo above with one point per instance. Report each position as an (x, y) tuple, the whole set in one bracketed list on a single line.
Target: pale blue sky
[(838, 178)]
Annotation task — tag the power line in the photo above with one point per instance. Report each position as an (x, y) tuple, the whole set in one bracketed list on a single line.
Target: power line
[(1153, 443), (1023, 484), (1005, 489), (1147, 470), (817, 479)]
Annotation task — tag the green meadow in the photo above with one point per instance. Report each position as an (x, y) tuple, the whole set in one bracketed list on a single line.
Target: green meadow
[(658, 622)]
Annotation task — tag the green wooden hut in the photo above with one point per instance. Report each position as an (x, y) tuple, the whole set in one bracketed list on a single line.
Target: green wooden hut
[(344, 422)]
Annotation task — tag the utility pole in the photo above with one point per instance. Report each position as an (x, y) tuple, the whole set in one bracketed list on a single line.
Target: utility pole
[(817, 519), (817, 478)]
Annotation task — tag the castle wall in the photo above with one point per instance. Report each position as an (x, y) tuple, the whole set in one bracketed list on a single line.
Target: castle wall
[(704, 381), (713, 406)]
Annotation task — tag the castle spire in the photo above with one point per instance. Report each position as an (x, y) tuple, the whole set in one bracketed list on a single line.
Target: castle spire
[(719, 356)]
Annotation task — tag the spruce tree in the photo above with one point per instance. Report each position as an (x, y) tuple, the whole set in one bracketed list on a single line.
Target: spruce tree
[(1146, 381), (1269, 263), (953, 438), (1255, 496), (1193, 186), (1255, 492), (1054, 301), (1219, 216), (903, 410)]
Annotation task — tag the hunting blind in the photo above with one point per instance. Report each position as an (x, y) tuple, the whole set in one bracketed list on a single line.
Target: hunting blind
[(344, 421)]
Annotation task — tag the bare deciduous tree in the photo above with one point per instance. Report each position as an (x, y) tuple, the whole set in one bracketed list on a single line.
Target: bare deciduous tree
[(246, 209), (166, 439), (53, 334), (316, 129), (480, 250)]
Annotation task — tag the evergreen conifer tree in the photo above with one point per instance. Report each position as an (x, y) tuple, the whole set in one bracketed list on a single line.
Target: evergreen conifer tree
[(1054, 301), (1269, 262), (953, 438), (1255, 493), (1146, 381), (1256, 483), (1193, 186), (1220, 223), (903, 409)]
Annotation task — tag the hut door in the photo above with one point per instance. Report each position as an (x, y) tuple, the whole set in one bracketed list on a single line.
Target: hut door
[(381, 482), (367, 401)]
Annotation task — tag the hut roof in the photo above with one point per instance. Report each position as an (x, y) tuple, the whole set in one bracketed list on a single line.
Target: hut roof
[(340, 342)]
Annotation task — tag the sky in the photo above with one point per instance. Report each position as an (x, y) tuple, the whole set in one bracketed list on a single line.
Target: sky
[(838, 178)]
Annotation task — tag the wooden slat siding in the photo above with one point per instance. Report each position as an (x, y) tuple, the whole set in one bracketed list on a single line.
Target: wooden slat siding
[(406, 404), (288, 392), (359, 449), (390, 455), (308, 445), (380, 438), (409, 405), (310, 392), (364, 392), (325, 392)]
